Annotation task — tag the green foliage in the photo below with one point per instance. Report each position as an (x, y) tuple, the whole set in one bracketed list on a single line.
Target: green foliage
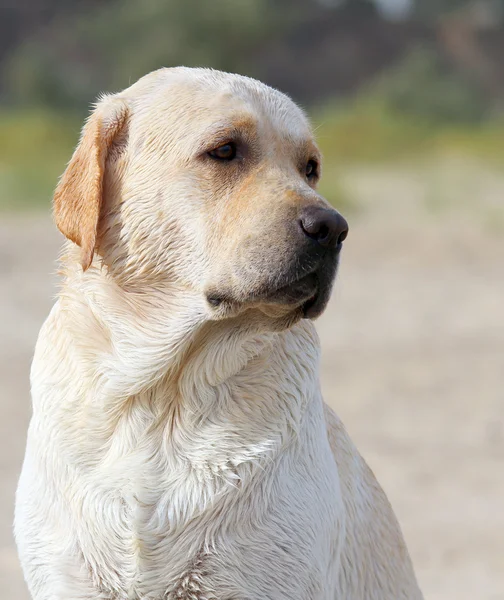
[(127, 39), (361, 131), (432, 10), (366, 132), (422, 87), (418, 108), (34, 148)]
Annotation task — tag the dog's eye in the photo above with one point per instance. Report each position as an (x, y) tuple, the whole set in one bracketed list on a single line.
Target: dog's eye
[(311, 169), (224, 152)]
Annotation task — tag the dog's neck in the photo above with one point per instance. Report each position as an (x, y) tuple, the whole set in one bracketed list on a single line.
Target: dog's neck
[(158, 353), (155, 392)]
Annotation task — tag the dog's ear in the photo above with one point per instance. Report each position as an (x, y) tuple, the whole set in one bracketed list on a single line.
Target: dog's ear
[(78, 196)]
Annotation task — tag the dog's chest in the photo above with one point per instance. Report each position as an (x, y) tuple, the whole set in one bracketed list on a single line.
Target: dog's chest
[(145, 548), (177, 536), (153, 565)]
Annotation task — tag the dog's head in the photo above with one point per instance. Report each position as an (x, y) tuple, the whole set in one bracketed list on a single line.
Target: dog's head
[(205, 181)]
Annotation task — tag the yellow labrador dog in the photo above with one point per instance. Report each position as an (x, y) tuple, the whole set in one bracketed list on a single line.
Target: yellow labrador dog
[(179, 446)]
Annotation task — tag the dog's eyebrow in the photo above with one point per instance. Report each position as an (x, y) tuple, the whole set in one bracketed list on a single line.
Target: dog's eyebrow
[(228, 130), (307, 150)]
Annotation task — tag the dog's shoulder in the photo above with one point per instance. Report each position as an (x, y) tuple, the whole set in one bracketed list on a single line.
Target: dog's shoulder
[(374, 554), (359, 485)]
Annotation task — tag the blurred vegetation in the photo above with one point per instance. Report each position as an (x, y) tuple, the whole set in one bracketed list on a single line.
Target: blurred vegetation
[(115, 43), (421, 87), (380, 85), (35, 145), (414, 109)]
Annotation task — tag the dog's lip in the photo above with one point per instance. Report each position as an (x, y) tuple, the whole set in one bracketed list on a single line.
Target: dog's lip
[(296, 292), (310, 308)]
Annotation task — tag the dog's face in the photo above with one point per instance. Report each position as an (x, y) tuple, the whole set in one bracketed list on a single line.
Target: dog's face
[(208, 181)]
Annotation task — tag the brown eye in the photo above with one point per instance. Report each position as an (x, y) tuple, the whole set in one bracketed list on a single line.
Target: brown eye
[(224, 152), (311, 170)]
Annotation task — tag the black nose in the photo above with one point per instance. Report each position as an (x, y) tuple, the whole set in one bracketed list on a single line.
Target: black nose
[(324, 225)]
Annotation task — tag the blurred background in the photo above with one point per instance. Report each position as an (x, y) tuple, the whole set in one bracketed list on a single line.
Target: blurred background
[(407, 98)]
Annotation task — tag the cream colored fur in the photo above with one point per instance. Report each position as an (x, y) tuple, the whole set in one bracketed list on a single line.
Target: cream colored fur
[(179, 450)]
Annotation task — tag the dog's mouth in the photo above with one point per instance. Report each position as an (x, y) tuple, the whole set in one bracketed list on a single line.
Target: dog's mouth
[(294, 293), (309, 294), (306, 294), (312, 307)]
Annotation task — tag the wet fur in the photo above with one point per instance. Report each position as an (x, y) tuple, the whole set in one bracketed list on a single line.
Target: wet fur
[(179, 449)]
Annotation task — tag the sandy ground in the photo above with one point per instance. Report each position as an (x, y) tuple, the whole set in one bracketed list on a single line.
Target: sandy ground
[(413, 361)]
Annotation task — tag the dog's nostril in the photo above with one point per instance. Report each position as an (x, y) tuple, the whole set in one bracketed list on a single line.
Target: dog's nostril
[(343, 236), (314, 228), (305, 227), (323, 232)]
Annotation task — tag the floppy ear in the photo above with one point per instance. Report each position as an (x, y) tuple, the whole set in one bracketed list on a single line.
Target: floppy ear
[(78, 196)]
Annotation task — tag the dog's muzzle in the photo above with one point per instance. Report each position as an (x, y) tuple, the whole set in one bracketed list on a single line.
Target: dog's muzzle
[(304, 282)]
